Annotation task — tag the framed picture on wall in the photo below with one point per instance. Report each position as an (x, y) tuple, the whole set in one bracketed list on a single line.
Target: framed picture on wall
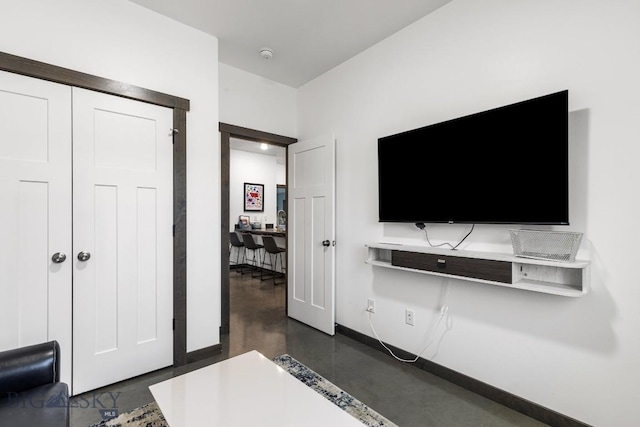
[(253, 197)]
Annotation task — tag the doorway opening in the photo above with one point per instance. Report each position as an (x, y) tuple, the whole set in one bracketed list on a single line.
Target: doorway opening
[(227, 132)]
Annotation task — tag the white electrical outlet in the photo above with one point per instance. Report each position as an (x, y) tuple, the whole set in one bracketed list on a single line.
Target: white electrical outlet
[(409, 317), (371, 305)]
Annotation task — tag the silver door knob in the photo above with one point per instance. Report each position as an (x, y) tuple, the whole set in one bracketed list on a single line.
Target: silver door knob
[(84, 256), (58, 257), (326, 243)]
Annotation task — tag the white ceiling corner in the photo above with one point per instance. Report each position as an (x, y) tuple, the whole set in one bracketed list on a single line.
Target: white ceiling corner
[(308, 37)]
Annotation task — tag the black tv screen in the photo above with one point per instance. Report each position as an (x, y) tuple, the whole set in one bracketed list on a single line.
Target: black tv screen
[(508, 165)]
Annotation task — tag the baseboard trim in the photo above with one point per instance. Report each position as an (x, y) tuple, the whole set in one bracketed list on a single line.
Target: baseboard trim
[(502, 397), (203, 353)]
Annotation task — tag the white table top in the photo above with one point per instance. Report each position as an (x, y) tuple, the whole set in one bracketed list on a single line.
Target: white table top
[(246, 390)]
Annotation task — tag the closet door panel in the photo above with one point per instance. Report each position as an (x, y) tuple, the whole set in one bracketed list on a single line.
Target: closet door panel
[(35, 218), (123, 218)]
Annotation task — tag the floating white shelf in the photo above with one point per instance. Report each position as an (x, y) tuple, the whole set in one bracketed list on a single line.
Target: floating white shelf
[(569, 279)]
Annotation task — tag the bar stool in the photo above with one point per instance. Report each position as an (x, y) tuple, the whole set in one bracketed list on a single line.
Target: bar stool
[(250, 243), (275, 252), (237, 243)]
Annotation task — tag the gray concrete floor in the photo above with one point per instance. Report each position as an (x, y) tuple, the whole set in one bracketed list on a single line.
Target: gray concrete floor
[(403, 393)]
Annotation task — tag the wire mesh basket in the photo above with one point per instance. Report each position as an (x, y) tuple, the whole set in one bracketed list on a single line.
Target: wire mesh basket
[(548, 245)]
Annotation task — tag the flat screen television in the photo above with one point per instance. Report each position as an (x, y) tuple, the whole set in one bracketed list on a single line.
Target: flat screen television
[(507, 165)]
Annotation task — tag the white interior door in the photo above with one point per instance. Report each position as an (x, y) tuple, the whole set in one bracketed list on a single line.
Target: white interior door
[(35, 214), (311, 232), (123, 209)]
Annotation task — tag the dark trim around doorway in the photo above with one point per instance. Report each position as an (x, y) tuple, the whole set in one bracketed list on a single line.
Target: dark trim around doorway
[(180, 106), (227, 132)]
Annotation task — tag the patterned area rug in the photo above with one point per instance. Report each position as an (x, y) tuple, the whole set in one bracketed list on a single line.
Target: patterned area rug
[(145, 416), (150, 416), (330, 391)]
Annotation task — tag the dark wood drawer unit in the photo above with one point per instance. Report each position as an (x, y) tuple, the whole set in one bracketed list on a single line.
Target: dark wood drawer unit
[(477, 268)]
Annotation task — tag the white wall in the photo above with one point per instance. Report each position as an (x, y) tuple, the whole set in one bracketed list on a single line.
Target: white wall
[(256, 169), (281, 174), (256, 103), (575, 356), (122, 41)]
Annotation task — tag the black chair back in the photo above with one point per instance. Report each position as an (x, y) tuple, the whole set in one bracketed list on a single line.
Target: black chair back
[(249, 242), (29, 366), (270, 245), (235, 240)]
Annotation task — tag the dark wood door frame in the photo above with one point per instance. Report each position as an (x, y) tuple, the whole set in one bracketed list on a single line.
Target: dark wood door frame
[(180, 106), (227, 132)]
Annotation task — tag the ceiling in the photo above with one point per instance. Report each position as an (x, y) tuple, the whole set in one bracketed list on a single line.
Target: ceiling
[(308, 37), (255, 147)]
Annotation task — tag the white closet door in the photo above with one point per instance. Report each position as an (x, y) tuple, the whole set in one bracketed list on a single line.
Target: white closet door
[(123, 210), (35, 214)]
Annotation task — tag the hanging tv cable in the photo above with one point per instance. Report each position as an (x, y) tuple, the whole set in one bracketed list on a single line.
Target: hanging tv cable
[(422, 227)]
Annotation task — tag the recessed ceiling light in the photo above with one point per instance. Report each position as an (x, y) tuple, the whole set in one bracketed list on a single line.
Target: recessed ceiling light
[(264, 146)]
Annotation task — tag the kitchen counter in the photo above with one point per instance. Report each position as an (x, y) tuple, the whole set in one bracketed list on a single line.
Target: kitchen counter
[(268, 232)]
